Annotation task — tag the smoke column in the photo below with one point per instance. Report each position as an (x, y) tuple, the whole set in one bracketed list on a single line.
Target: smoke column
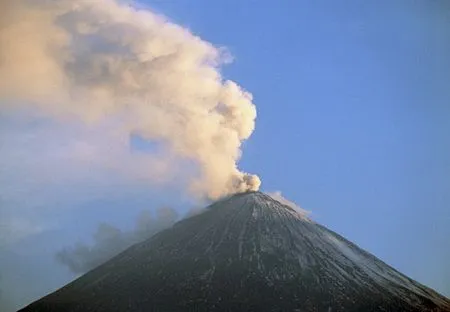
[(104, 61), (110, 240)]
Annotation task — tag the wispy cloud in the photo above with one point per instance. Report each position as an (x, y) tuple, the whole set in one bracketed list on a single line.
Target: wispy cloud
[(279, 197)]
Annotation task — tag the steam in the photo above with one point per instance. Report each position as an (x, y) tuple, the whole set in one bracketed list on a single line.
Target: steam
[(102, 62), (110, 241), (277, 195)]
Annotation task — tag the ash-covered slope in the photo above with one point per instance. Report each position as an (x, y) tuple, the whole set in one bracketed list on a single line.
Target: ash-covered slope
[(246, 253)]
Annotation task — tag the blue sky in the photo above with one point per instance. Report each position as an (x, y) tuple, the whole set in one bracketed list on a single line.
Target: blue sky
[(353, 125), (353, 115)]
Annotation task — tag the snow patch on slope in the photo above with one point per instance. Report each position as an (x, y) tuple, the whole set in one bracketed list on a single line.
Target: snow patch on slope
[(383, 275)]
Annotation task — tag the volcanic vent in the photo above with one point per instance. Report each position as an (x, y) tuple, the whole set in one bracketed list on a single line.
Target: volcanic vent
[(247, 252)]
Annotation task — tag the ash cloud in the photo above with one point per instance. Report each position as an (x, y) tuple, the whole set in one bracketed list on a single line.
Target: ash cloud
[(109, 240), (105, 62)]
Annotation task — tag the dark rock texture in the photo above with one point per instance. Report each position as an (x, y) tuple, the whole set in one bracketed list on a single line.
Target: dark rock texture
[(248, 252)]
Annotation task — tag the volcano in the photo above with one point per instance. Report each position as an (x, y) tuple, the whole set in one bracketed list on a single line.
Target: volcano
[(248, 252)]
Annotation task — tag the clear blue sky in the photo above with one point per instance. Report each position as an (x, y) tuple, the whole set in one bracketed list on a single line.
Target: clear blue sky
[(353, 124), (353, 114)]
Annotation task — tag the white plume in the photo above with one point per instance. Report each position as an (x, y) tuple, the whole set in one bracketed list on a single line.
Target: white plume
[(97, 61)]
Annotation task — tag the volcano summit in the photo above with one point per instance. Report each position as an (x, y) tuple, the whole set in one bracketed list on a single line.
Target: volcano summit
[(248, 252)]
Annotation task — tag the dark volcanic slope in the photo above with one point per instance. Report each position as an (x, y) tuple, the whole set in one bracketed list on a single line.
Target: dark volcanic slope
[(246, 253)]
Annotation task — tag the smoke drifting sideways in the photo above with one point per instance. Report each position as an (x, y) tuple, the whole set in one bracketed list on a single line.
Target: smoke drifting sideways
[(110, 241), (278, 196), (106, 62)]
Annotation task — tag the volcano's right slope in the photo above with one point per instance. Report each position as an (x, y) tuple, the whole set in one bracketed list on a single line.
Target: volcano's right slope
[(245, 253)]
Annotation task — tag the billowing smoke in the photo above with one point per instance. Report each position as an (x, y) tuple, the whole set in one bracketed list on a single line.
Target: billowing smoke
[(106, 62), (110, 240)]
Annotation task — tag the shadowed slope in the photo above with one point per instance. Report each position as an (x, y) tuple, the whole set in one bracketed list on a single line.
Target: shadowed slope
[(245, 253)]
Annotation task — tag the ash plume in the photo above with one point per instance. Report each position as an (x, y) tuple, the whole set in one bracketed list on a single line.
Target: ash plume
[(109, 240), (103, 61)]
